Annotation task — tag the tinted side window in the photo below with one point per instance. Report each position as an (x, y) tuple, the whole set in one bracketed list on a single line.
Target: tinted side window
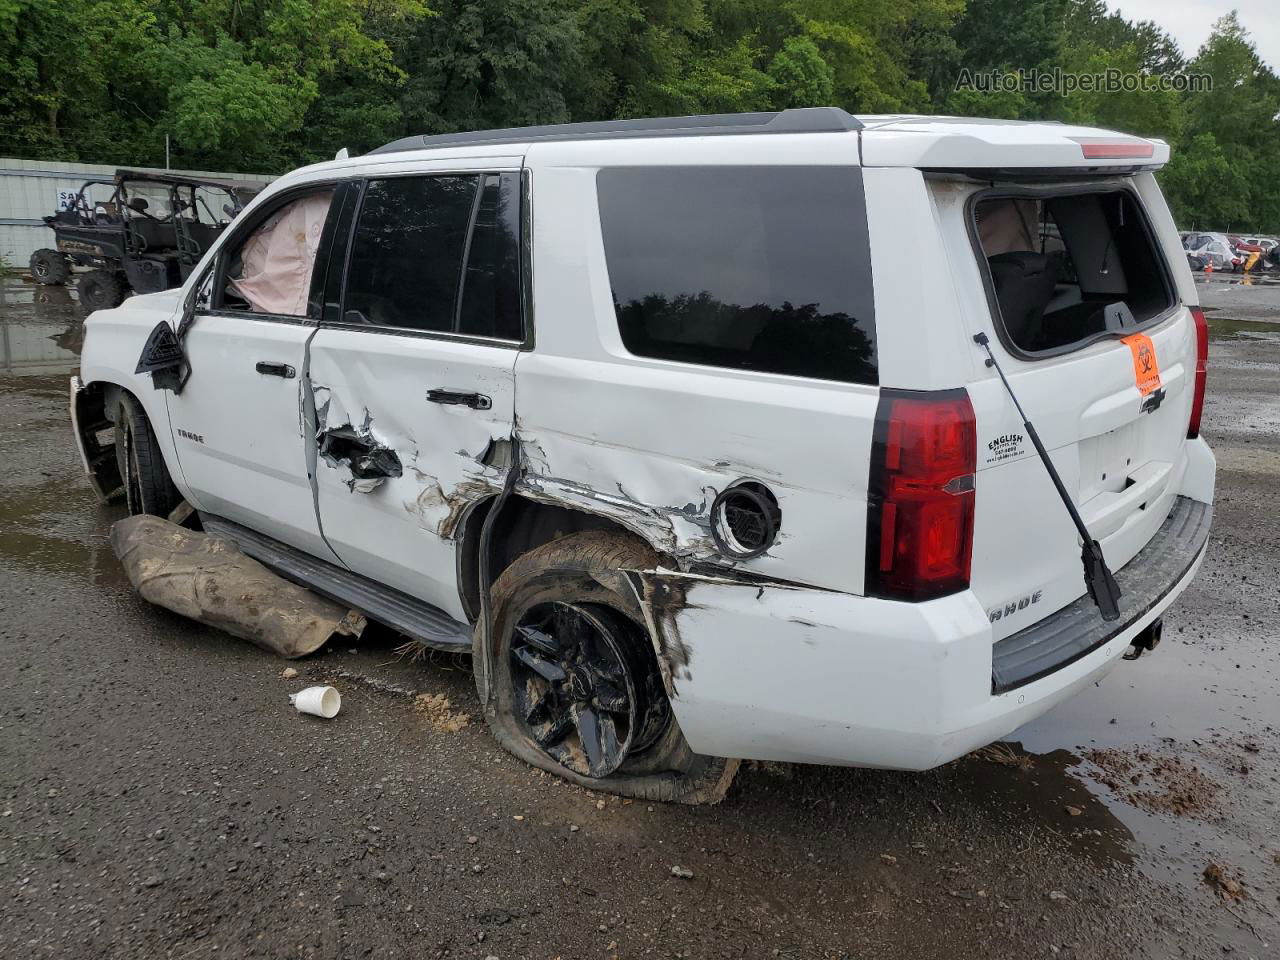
[(758, 268), (491, 290), (407, 252), (332, 256)]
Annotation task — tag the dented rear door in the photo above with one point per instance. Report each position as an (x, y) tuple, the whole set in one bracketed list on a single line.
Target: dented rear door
[(412, 375)]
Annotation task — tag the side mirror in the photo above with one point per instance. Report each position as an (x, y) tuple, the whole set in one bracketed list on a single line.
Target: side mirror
[(162, 357)]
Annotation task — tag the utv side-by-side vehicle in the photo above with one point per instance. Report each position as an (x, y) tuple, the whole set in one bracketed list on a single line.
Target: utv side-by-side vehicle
[(146, 238)]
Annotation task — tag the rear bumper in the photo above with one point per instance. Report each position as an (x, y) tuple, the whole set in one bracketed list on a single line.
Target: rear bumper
[(1077, 629), (777, 673)]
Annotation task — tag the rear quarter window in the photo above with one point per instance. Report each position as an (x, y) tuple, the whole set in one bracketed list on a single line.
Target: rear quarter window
[(751, 268)]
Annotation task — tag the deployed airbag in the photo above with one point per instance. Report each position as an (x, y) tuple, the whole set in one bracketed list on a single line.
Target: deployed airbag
[(277, 259)]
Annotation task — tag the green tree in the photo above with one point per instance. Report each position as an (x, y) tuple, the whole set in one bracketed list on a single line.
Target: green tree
[(874, 49), (1008, 36), (1148, 113), (1206, 190), (266, 84), (632, 53), (231, 70), (800, 75), (1090, 24), (1241, 108), (71, 79), (489, 63)]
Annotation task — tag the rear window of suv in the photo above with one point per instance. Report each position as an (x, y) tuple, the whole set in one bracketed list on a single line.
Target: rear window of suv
[(1068, 268), (752, 268)]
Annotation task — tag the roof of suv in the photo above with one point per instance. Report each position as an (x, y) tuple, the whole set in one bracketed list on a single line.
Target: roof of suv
[(912, 140), (798, 120)]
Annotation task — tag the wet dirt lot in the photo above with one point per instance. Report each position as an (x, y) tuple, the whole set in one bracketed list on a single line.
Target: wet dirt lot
[(159, 797)]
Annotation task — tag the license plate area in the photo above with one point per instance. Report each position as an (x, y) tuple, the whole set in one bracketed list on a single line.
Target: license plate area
[(1109, 461)]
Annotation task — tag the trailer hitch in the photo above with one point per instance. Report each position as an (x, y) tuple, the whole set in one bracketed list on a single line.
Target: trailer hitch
[(1148, 638)]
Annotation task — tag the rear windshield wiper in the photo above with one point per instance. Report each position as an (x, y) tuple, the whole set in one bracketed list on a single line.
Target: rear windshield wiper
[(1103, 589)]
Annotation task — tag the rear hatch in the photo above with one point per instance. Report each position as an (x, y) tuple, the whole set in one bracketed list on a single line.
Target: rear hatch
[(1063, 251)]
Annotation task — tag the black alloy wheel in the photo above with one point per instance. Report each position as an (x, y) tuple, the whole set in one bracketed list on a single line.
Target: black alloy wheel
[(579, 688)]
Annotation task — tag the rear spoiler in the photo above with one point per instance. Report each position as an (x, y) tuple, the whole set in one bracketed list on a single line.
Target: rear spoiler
[(988, 150), (1033, 174)]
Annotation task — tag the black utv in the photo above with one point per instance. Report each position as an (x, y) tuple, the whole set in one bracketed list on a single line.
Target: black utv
[(148, 236)]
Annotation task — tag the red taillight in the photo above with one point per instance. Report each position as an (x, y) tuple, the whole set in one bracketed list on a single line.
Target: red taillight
[(1202, 367), (920, 495)]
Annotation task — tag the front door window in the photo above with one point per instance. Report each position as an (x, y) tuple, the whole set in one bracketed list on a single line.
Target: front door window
[(271, 271)]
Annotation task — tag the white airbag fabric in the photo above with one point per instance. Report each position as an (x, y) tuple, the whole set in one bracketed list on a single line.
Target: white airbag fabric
[(277, 259)]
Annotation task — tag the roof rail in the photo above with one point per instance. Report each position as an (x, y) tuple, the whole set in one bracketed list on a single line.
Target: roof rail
[(798, 120)]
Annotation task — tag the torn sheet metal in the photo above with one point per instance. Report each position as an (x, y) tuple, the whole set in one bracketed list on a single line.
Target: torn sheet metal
[(404, 532), (477, 476), (666, 595), (208, 579), (635, 498), (440, 512), (667, 499), (345, 445)]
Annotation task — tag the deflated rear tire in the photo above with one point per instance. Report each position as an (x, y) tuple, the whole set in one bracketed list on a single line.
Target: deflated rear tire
[(576, 688), (147, 484)]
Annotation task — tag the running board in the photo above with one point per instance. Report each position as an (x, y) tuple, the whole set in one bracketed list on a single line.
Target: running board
[(414, 618)]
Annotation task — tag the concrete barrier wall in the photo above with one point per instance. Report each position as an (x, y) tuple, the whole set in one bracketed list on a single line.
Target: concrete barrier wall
[(29, 190)]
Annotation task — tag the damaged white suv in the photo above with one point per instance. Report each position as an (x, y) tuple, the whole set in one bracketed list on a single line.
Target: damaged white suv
[(697, 432)]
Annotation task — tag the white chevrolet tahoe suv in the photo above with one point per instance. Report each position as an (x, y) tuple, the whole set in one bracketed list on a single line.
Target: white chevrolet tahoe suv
[(700, 433)]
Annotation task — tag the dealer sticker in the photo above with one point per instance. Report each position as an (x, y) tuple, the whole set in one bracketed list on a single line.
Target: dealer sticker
[(1008, 446)]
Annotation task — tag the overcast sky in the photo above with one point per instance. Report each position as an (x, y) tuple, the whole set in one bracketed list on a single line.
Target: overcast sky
[(1189, 21)]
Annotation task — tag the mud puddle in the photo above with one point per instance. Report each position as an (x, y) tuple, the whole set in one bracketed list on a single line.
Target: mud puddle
[(1239, 298), (49, 520), (47, 528), (1232, 328), (41, 329), (1182, 751)]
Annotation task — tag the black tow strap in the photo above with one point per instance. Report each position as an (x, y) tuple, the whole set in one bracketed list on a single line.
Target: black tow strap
[(1102, 586)]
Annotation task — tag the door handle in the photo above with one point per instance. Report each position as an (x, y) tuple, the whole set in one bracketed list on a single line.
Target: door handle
[(476, 401), (270, 369)]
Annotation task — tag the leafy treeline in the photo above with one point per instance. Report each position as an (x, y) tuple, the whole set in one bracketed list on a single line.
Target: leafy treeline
[(263, 85)]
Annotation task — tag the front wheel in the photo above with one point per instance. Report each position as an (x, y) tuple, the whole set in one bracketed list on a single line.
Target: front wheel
[(49, 267), (147, 484), (100, 290), (576, 687)]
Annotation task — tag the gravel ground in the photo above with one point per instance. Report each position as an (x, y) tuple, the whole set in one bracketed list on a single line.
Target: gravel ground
[(159, 797)]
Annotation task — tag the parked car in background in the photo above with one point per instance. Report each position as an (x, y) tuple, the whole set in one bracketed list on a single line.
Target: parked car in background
[(1215, 248), (146, 237), (1266, 247), (655, 420)]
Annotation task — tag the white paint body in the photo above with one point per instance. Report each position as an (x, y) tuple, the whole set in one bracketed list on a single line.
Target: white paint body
[(803, 667)]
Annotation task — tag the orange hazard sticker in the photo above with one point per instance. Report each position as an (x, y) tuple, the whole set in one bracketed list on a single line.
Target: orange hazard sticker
[(1146, 370)]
